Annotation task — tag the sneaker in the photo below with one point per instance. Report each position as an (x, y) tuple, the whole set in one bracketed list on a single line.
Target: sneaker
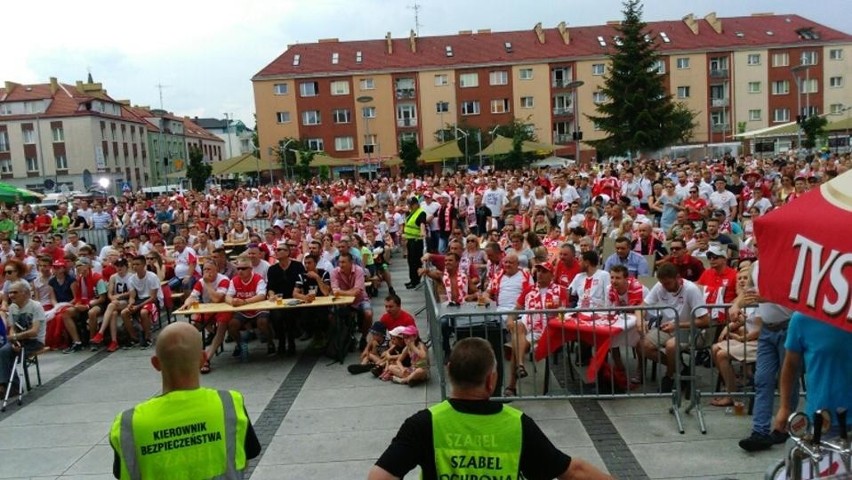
[(359, 368), (244, 352), (113, 346), (95, 347), (391, 291), (145, 344), (270, 350), (779, 437), (237, 350), (398, 380), (75, 347), (130, 344), (666, 384), (757, 442), (98, 339)]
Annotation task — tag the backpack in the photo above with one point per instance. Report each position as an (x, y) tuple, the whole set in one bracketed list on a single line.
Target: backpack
[(341, 335)]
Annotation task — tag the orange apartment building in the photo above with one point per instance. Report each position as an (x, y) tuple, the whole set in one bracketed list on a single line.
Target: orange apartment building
[(736, 74)]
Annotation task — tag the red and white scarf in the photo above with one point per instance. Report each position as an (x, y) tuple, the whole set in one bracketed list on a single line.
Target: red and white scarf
[(461, 286)]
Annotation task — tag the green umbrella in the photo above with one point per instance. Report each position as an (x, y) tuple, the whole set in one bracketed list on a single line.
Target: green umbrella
[(12, 194)]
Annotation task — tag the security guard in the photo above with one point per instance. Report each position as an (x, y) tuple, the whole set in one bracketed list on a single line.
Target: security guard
[(469, 436), (188, 431), (414, 232)]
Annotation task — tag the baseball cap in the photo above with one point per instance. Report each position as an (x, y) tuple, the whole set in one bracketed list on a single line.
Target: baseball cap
[(397, 332), (545, 266), (379, 328), (717, 250), (83, 262), (59, 264), (409, 330)]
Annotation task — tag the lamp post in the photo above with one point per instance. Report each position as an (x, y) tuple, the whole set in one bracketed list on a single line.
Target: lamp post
[(228, 133), (800, 118), (578, 135), (368, 149), (282, 149), (459, 131)]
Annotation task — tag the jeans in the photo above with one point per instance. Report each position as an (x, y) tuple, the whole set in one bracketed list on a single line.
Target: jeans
[(770, 357), (7, 357), (443, 242)]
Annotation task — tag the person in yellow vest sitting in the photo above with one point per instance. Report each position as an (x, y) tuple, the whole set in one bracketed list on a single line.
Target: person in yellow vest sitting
[(469, 436), (189, 431)]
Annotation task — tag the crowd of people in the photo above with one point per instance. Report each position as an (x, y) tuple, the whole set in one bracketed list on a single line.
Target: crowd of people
[(519, 239)]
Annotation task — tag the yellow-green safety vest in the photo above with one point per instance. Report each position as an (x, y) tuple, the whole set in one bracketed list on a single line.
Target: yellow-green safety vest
[(411, 230), (185, 434), (482, 446)]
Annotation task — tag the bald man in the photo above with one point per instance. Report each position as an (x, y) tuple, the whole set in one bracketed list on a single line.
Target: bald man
[(188, 431)]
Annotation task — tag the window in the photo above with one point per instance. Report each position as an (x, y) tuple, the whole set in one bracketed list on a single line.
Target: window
[(599, 97), (835, 108), (442, 107), (405, 88), (810, 85), (835, 54), (780, 87), (754, 115), (344, 143), (340, 87), (6, 166), (308, 89), (59, 134), (809, 58), (5, 109), (371, 139), (367, 84), (368, 112), (315, 144), (282, 117), (29, 135), (835, 82), (470, 108), (682, 63), (281, 88), (335, 58), (442, 80), (659, 66), (61, 162), (406, 115), (32, 164), (527, 102), (468, 80), (341, 115), (405, 137), (683, 92), (311, 117), (753, 59), (525, 74), (500, 105), (4, 142), (780, 59), (563, 104), (500, 77), (598, 68), (753, 87), (781, 115), (560, 77)]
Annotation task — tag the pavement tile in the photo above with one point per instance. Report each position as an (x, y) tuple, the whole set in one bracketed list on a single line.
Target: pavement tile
[(321, 448), (97, 461), (710, 458), (343, 470), (37, 462), (378, 393), (48, 436), (347, 419), (82, 413)]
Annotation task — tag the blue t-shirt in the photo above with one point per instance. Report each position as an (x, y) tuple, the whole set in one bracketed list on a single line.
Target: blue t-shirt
[(827, 355)]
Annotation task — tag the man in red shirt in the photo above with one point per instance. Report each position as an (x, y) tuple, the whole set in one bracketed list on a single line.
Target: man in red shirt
[(624, 291), (394, 315), (720, 280), (689, 267), (696, 207), (43, 221), (247, 288), (566, 267)]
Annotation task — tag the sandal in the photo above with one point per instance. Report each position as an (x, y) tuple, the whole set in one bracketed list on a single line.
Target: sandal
[(636, 379), (722, 402), (205, 368), (510, 392), (521, 371)]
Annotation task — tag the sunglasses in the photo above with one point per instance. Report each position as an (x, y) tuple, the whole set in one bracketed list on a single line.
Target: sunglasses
[(243, 268), (9, 272), (150, 258), (676, 249)]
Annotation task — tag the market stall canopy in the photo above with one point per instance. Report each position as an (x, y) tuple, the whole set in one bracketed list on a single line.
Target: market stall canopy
[(539, 147), (500, 146), (804, 265), (222, 167), (392, 162), (441, 152), (323, 160), (12, 194), (251, 164), (553, 161)]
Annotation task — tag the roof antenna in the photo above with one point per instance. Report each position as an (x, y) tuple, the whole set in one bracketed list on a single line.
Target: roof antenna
[(416, 7), (160, 87), (89, 80)]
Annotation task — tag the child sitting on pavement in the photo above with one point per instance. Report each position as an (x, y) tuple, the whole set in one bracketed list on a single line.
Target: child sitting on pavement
[(417, 370), (392, 355), (377, 344)]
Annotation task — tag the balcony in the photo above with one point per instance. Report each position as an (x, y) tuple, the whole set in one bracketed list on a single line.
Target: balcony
[(719, 72), (720, 127), (569, 110), (562, 138), (558, 83), (719, 102), (405, 93), (406, 122)]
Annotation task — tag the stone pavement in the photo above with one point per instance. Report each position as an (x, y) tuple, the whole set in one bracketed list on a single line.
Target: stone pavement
[(316, 421)]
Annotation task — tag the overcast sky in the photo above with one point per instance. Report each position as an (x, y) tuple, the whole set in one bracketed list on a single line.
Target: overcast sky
[(204, 53)]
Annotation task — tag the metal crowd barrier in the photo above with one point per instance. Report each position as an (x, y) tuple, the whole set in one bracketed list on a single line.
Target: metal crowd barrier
[(258, 225), (488, 322), (96, 237)]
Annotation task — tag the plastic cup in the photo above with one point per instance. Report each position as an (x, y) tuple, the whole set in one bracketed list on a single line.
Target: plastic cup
[(739, 408)]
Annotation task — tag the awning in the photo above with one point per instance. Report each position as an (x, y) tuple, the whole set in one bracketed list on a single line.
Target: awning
[(500, 146), (180, 174), (222, 167), (441, 152), (252, 164), (792, 128), (538, 147), (323, 160)]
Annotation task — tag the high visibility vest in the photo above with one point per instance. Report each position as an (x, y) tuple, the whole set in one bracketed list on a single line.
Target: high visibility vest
[(479, 446), (184, 434), (411, 230)]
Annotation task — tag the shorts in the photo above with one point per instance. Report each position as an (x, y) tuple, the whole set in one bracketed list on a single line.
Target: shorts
[(151, 308), (659, 338), (243, 319), (371, 269), (221, 318), (365, 306), (744, 352), (533, 332)]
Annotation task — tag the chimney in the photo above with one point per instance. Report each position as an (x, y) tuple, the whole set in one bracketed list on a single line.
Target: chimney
[(54, 86), (11, 86), (389, 42), (563, 30), (539, 33), (714, 22), (483, 31), (412, 41), (126, 103), (690, 22)]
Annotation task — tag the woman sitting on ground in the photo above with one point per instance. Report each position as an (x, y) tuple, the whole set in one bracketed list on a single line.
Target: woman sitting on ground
[(415, 351)]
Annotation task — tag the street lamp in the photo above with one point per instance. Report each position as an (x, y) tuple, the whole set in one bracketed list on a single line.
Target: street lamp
[(574, 86), (459, 131), (800, 118), (228, 134), (283, 149)]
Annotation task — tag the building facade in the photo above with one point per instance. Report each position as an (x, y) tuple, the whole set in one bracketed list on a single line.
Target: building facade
[(236, 135), (737, 74)]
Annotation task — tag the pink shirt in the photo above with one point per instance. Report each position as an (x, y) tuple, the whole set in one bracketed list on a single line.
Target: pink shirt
[(343, 281)]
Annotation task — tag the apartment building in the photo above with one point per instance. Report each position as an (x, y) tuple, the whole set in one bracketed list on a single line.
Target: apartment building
[(736, 74)]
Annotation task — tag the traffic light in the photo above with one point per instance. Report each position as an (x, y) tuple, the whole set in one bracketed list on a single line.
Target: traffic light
[(577, 135)]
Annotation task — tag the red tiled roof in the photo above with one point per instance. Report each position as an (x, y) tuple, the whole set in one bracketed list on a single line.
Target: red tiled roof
[(64, 103), (190, 129), (142, 114), (488, 48)]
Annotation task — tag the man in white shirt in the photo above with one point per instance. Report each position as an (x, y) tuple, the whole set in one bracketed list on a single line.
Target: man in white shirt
[(258, 264), (723, 199), (185, 262), (506, 286), (144, 301), (591, 286), (74, 244), (630, 189), (682, 297), (495, 199), (250, 207), (431, 207)]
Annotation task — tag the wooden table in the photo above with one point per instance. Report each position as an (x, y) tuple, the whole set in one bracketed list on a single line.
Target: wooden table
[(205, 308)]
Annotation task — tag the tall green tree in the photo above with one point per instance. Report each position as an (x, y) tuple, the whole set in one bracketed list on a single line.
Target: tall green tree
[(814, 128), (409, 152), (639, 114), (197, 171)]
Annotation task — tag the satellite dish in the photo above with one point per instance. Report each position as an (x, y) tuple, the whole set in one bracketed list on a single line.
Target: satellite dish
[(49, 184), (87, 179)]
